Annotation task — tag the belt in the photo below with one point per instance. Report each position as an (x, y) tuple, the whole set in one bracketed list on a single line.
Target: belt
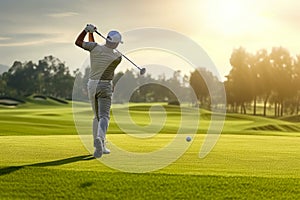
[(105, 81)]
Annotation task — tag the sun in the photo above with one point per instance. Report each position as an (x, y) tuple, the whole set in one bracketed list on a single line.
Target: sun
[(230, 10), (231, 17)]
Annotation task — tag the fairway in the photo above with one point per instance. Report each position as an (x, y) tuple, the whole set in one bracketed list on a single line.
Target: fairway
[(42, 156)]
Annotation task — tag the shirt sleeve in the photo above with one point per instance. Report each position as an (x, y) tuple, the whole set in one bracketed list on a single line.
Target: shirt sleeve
[(89, 46)]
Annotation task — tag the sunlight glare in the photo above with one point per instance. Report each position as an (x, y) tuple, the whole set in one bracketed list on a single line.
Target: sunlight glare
[(231, 17)]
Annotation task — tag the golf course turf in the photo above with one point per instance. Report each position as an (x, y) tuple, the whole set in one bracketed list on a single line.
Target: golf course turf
[(42, 157)]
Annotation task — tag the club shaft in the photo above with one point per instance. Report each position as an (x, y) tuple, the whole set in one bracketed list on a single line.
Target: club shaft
[(129, 60), (119, 51)]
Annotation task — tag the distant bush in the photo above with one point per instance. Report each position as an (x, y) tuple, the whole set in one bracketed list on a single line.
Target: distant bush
[(174, 103)]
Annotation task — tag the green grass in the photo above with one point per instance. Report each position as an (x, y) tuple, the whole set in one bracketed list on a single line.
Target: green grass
[(264, 156), (39, 183), (235, 169), (42, 157), (37, 117)]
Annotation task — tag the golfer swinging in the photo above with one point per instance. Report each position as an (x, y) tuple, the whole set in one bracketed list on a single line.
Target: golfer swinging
[(104, 60)]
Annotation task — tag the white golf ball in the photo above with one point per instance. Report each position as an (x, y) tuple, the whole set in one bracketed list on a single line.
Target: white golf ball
[(188, 138)]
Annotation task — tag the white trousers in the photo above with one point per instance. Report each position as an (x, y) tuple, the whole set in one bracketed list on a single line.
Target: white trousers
[(100, 93)]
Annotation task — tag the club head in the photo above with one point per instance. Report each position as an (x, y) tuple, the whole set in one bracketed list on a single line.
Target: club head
[(142, 71)]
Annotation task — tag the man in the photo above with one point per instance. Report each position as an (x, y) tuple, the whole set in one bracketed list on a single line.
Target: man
[(104, 60)]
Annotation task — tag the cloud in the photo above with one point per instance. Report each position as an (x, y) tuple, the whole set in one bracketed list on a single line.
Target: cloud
[(4, 38), (24, 39), (62, 14)]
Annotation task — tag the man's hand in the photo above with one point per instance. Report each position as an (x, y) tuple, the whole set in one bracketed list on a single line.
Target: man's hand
[(90, 28)]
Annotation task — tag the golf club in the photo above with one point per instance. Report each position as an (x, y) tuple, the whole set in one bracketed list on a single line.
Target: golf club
[(142, 70)]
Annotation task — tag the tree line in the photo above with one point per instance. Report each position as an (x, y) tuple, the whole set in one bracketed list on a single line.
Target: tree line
[(49, 77), (270, 79), (144, 88)]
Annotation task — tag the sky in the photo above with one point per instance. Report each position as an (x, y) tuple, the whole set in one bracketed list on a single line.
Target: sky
[(33, 29)]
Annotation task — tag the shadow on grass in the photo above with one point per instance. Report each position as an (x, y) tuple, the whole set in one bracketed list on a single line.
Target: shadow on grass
[(8, 170)]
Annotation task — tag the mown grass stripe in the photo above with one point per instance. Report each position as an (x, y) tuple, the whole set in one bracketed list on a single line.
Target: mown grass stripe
[(40, 183)]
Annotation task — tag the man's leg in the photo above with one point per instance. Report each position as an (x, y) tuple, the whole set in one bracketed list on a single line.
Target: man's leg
[(92, 85), (104, 109), (95, 128), (94, 104), (104, 104)]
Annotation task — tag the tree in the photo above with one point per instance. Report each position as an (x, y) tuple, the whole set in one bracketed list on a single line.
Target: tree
[(238, 81), (201, 80), (272, 77), (296, 82), (262, 77), (123, 91), (49, 77), (21, 78), (281, 62), (199, 85)]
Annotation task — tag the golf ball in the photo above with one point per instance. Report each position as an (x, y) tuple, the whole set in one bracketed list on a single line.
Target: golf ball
[(188, 138)]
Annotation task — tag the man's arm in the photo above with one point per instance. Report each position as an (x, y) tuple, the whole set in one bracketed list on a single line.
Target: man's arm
[(80, 38), (91, 37)]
